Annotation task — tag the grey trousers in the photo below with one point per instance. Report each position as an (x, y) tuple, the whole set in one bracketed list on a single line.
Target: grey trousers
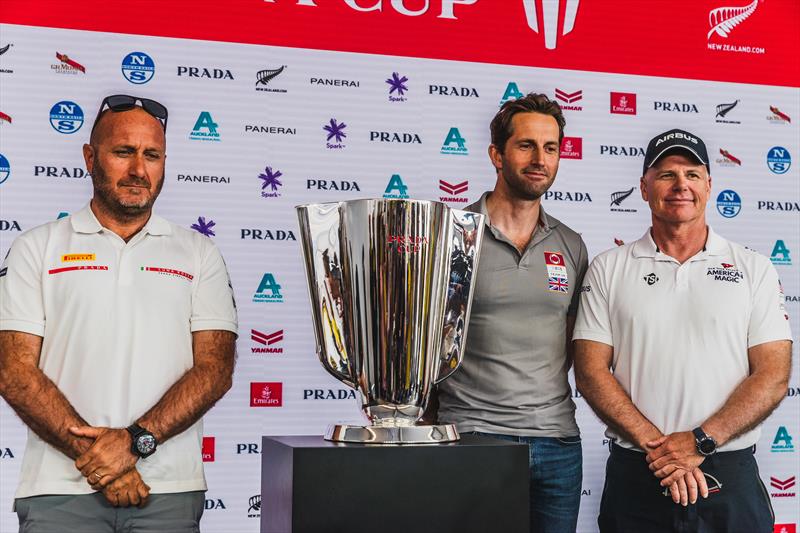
[(91, 513)]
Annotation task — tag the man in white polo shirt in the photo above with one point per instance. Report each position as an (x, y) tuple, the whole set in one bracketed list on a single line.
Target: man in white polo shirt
[(696, 334), (117, 333)]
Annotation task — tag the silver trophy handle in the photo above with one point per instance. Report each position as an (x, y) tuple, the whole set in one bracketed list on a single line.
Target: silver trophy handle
[(466, 234), (321, 226)]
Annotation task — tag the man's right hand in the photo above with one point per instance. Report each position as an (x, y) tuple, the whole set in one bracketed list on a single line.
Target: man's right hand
[(128, 489)]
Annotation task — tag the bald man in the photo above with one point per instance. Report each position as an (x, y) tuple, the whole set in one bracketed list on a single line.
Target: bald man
[(117, 333)]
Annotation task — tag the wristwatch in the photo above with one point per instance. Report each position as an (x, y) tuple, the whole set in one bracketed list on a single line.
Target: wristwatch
[(705, 445), (143, 443)]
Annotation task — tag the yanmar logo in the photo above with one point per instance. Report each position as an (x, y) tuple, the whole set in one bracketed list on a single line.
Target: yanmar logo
[(723, 20), (783, 486), (569, 99), (454, 190), (266, 341), (548, 24)]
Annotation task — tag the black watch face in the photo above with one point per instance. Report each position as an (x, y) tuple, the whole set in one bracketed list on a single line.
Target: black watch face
[(707, 446), (146, 444)]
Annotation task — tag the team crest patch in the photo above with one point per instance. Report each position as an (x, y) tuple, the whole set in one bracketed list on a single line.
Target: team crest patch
[(725, 272), (557, 279), (168, 272), (69, 258)]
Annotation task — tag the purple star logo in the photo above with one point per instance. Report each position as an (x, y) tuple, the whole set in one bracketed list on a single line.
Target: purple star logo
[(397, 84), (335, 129), (204, 227), (271, 179)]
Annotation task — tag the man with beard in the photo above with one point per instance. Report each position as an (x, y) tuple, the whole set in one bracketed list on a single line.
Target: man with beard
[(117, 333), (513, 382)]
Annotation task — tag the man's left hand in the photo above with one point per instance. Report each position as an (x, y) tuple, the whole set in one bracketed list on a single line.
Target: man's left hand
[(672, 455), (109, 457)]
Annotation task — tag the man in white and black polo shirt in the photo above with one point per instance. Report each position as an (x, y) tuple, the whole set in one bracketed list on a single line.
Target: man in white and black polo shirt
[(696, 334), (513, 381), (117, 332)]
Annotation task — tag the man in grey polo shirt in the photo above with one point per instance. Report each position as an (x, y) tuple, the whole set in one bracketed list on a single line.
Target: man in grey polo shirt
[(513, 382)]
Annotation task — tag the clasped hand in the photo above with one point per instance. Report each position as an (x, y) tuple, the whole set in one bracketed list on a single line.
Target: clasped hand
[(109, 466), (674, 460)]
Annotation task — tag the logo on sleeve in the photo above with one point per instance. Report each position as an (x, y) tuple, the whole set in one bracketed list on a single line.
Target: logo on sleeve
[(168, 272), (557, 279), (725, 272)]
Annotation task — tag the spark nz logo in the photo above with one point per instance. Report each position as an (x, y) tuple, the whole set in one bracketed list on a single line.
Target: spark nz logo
[(397, 84), (335, 130), (549, 10), (270, 183), (204, 227)]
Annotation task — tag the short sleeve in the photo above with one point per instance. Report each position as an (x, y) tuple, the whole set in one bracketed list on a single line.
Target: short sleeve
[(583, 264), (213, 304), (594, 319), (769, 320), (21, 298)]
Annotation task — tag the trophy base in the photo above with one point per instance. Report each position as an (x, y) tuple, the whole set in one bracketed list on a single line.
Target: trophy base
[(441, 433)]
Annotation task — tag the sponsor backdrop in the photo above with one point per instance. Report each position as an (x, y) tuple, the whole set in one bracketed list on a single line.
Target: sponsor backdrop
[(354, 99)]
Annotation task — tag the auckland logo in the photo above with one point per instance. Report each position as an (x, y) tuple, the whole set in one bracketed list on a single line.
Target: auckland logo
[(549, 23), (569, 99), (268, 290), (397, 87), (780, 254), (335, 131), (205, 129), (453, 190), (512, 92), (396, 188), (270, 182), (454, 143)]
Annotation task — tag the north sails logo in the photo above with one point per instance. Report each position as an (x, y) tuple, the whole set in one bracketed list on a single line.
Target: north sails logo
[(722, 20), (550, 10)]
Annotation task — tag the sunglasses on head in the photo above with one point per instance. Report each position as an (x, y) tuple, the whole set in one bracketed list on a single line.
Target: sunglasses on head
[(124, 102)]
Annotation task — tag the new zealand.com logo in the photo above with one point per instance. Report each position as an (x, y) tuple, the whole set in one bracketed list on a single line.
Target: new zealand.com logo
[(270, 182), (397, 87), (335, 130), (263, 77)]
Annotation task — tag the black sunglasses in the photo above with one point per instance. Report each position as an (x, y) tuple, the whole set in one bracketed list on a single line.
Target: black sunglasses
[(124, 102)]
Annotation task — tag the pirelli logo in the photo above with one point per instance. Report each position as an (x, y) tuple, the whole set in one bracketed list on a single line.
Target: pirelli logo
[(69, 258)]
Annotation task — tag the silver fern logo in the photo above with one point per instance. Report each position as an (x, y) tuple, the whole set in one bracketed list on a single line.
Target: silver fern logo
[(723, 20), (549, 9)]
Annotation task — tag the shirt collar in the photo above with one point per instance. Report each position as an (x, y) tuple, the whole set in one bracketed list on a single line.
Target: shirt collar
[(84, 221), (646, 246), (546, 222)]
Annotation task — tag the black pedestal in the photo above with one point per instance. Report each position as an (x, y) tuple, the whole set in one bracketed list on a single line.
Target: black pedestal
[(477, 485)]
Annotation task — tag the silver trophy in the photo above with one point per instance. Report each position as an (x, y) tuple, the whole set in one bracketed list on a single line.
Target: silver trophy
[(391, 284)]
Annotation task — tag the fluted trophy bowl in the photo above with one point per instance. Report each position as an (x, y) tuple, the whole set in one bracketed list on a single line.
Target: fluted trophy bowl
[(391, 284)]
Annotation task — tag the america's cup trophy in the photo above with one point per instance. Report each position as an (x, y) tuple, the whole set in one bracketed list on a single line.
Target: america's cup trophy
[(391, 284)]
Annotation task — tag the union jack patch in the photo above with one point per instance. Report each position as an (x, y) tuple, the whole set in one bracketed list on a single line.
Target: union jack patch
[(558, 284)]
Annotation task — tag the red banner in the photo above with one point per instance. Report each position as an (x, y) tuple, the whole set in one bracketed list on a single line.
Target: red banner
[(749, 41)]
